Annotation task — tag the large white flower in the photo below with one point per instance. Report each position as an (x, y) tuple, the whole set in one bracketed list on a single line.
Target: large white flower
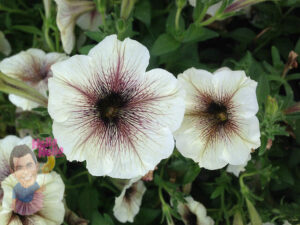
[(127, 205), (7, 144), (193, 213), (32, 67), (219, 125), (52, 212), (5, 47), (108, 111), (68, 11)]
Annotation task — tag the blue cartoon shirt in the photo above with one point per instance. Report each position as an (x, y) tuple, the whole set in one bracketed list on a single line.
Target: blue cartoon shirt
[(25, 194)]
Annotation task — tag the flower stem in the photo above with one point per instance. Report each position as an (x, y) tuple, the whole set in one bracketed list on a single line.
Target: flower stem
[(177, 17), (12, 86)]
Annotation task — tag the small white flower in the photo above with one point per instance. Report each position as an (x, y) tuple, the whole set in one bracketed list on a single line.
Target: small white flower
[(127, 205), (32, 67), (5, 47), (52, 212), (285, 222), (237, 169), (219, 125), (108, 111), (7, 144), (68, 11), (194, 213)]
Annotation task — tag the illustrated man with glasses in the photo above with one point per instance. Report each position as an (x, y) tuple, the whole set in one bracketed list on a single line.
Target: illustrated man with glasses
[(27, 193)]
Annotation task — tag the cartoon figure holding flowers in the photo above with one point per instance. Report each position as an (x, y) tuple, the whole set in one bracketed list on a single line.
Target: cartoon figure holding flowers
[(27, 193)]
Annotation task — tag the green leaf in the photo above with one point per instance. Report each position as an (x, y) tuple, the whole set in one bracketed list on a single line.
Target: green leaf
[(263, 89), (28, 29), (85, 49), (243, 35), (143, 12), (88, 201), (95, 35), (254, 216), (191, 174), (165, 43), (98, 219), (217, 192), (276, 56), (195, 34)]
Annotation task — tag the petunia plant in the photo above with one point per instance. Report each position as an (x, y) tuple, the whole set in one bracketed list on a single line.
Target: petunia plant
[(151, 112)]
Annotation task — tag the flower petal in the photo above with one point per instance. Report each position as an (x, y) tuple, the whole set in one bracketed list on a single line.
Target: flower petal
[(168, 103), (89, 20), (114, 55)]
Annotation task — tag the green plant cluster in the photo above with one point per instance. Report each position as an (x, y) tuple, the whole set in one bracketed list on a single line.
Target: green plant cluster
[(178, 37)]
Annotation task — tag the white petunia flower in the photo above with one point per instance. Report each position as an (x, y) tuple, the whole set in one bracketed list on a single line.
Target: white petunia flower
[(194, 213), (6, 146), (127, 205), (52, 211), (237, 169), (5, 47), (68, 11), (32, 67), (108, 111), (219, 126)]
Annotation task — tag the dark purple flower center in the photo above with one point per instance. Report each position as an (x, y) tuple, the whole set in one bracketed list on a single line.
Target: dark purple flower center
[(110, 107), (218, 112)]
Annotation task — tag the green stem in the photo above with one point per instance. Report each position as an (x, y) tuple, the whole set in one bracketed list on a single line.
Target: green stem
[(12, 86), (202, 15), (224, 208), (177, 18), (47, 38)]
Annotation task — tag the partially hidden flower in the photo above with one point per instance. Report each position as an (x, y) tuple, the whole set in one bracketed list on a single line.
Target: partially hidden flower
[(90, 20), (33, 68), (219, 126), (7, 144), (108, 111), (235, 5), (193, 213), (237, 169), (127, 205), (212, 10), (5, 47), (71, 11), (52, 210)]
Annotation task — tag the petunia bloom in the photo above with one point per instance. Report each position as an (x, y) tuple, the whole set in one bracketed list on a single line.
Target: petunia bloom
[(5, 47), (7, 144), (68, 12), (33, 68), (193, 213), (108, 111), (219, 126), (127, 205), (52, 210)]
